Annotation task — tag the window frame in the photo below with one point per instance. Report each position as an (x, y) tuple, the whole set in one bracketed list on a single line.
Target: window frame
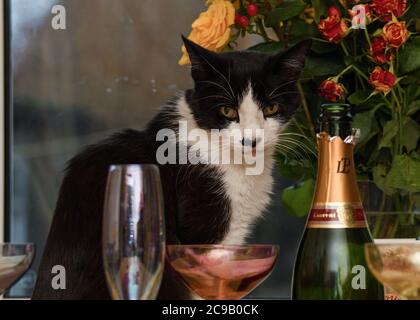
[(4, 88)]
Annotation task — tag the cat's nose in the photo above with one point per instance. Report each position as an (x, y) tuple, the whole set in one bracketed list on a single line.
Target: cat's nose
[(250, 142)]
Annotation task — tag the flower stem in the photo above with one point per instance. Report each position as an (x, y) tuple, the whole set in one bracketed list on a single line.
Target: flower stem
[(343, 46), (306, 109), (360, 72), (367, 37), (344, 71), (400, 124)]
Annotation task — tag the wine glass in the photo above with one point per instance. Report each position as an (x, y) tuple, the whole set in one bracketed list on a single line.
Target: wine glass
[(397, 266), (222, 272), (133, 239), (15, 260)]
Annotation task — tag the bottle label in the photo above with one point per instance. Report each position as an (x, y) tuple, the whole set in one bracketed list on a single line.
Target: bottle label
[(337, 215)]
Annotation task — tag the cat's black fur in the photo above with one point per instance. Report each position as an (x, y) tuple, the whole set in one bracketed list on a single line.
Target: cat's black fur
[(195, 210)]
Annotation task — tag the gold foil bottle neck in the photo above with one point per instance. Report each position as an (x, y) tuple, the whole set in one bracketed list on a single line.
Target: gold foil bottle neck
[(336, 180), (351, 139), (336, 201)]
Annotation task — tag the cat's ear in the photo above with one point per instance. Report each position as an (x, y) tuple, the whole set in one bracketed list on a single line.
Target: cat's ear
[(289, 64), (202, 60)]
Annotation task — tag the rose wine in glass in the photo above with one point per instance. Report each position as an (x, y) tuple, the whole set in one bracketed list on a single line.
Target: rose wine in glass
[(133, 238), (15, 260), (222, 272)]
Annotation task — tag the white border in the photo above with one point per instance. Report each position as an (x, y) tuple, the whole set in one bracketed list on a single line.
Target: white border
[(2, 118)]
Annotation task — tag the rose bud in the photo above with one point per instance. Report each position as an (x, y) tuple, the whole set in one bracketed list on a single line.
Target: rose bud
[(331, 90), (382, 80), (333, 29), (379, 51), (395, 33), (384, 9), (333, 11)]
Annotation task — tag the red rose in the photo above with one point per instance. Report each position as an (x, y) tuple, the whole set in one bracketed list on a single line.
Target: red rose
[(333, 28), (331, 90), (379, 51), (395, 33), (384, 9), (382, 80), (333, 11)]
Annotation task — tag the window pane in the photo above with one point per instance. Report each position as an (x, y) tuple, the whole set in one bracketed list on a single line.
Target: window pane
[(112, 67)]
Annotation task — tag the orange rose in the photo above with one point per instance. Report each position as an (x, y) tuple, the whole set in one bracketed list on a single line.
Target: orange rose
[(211, 30), (382, 80), (395, 33)]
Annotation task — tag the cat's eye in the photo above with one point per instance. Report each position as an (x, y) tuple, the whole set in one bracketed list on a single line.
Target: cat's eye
[(271, 110), (229, 113)]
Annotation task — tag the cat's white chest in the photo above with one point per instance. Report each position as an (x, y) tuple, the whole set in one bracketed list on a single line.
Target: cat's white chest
[(249, 196)]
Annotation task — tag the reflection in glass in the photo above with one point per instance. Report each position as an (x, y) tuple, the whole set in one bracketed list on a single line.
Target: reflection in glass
[(396, 266), (133, 232), (15, 259), (222, 272)]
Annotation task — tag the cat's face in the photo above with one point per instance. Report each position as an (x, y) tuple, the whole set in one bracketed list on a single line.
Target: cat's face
[(245, 92)]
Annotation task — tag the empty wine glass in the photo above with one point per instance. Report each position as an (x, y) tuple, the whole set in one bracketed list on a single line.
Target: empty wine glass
[(15, 260), (133, 232), (222, 272)]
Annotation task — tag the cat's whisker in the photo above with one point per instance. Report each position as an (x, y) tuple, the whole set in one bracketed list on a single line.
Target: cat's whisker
[(291, 150), (230, 94), (221, 74), (214, 96), (300, 145), (297, 135), (287, 83), (303, 157), (299, 149)]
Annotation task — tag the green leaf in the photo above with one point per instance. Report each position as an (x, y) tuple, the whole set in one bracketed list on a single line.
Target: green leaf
[(297, 199), (366, 122), (411, 134), (409, 56), (273, 46), (413, 107), (284, 11), (320, 9), (413, 92), (390, 131), (379, 176), (321, 46), (413, 12), (323, 65), (301, 29), (359, 97), (404, 174)]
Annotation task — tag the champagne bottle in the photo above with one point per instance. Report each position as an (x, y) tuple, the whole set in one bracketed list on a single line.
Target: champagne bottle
[(330, 263)]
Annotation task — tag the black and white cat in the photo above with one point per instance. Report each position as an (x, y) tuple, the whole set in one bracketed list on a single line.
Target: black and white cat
[(204, 203)]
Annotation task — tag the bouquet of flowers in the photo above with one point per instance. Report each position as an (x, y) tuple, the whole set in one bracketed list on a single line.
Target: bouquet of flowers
[(364, 52)]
